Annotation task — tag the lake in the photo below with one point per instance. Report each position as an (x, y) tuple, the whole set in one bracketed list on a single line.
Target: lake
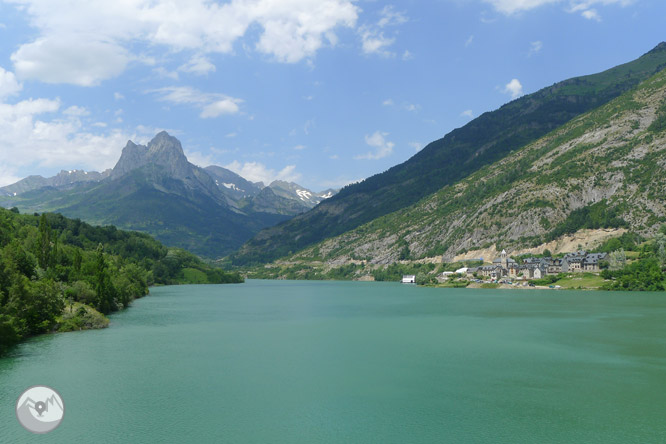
[(355, 362)]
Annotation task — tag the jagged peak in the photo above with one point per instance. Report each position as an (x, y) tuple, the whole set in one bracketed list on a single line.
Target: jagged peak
[(165, 143)]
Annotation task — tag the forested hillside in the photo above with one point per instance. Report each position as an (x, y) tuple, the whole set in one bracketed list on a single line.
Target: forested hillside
[(464, 151), (63, 274)]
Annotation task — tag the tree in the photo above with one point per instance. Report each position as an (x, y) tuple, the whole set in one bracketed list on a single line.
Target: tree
[(617, 260), (44, 243), (547, 253), (660, 247), (103, 286)]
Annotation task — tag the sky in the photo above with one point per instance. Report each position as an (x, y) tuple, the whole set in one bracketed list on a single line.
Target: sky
[(320, 92)]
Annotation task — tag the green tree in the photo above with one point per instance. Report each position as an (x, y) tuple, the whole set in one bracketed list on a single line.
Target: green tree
[(660, 247), (44, 243), (617, 260), (103, 285)]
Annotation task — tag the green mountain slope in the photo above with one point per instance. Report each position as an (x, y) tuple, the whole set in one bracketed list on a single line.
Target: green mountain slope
[(486, 139), (604, 169)]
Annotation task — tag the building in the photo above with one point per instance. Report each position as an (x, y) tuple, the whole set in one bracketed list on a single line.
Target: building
[(591, 262), (409, 279), (581, 261), (540, 267)]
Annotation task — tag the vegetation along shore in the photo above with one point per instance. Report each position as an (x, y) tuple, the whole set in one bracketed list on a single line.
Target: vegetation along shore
[(60, 274)]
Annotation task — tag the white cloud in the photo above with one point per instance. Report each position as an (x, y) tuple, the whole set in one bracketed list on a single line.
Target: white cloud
[(411, 107), (76, 59), (211, 104), (199, 159), (591, 14), (383, 147), (299, 147), (407, 55), (37, 134), (467, 113), (258, 172), (373, 38), (199, 65), (161, 71), (390, 17), (375, 42), (511, 7), (9, 86), (535, 47), (469, 41), (118, 96), (514, 88), (387, 102), (215, 109), (77, 111), (89, 41)]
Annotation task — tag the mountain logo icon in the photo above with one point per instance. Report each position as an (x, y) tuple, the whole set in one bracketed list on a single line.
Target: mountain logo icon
[(40, 409)]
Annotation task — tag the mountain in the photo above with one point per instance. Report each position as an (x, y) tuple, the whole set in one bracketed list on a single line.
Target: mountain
[(231, 184), (464, 151), (62, 179), (286, 198), (604, 169), (155, 189)]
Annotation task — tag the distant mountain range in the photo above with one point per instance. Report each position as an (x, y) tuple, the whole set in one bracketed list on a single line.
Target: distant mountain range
[(462, 153), (154, 188)]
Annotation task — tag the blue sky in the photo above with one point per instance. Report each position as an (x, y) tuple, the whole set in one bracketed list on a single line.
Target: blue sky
[(321, 92)]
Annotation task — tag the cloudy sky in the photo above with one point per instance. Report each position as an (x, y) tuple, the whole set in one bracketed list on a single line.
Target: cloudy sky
[(322, 92)]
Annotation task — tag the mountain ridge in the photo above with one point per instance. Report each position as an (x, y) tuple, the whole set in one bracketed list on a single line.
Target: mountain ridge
[(460, 153), (603, 169)]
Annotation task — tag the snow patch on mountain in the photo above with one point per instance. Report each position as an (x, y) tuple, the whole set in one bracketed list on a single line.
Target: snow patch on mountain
[(304, 195)]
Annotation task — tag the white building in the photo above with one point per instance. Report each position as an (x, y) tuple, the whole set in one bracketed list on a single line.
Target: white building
[(409, 279)]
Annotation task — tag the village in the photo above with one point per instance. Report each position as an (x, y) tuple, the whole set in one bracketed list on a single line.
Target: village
[(504, 269)]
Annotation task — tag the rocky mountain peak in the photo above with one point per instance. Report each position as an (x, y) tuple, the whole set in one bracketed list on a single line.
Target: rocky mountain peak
[(132, 157), (165, 147), (163, 150)]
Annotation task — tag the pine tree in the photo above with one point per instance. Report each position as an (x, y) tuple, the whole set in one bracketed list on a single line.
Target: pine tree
[(44, 243)]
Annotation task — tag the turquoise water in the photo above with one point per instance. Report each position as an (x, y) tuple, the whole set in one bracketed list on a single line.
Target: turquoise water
[(352, 362)]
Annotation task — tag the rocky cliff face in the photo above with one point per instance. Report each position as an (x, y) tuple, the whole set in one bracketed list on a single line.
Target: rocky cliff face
[(133, 156)]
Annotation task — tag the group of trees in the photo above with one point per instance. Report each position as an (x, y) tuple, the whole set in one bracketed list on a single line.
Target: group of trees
[(49, 263), (646, 273)]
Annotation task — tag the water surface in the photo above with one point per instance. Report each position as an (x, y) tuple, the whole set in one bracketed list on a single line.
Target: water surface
[(351, 362)]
